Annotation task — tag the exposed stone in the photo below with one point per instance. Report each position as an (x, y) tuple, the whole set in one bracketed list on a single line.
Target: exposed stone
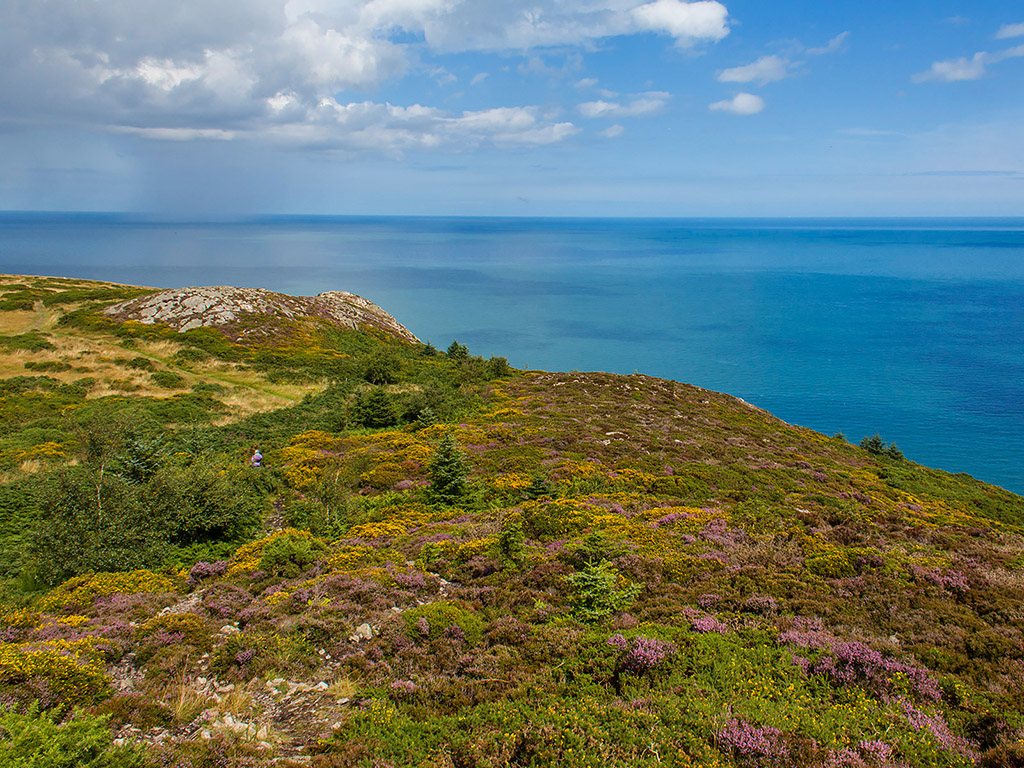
[(226, 308), (363, 632)]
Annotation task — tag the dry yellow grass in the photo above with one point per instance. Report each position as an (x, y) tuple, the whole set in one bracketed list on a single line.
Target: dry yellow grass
[(103, 358), (342, 688), (17, 321)]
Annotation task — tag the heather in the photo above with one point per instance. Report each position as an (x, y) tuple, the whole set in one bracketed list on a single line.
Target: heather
[(518, 568)]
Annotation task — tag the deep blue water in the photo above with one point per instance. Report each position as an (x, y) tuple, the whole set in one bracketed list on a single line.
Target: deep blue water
[(911, 328)]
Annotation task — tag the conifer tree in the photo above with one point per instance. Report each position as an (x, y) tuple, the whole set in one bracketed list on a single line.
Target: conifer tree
[(448, 471), (457, 351)]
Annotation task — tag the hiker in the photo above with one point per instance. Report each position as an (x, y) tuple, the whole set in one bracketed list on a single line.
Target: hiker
[(257, 458)]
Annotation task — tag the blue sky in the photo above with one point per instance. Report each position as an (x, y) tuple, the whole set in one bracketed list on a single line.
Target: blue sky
[(482, 107)]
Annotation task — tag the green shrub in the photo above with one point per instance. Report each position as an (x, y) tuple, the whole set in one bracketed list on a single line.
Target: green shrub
[(288, 556), (512, 542), (40, 740), (190, 355), (441, 615), (168, 379), (32, 341), (140, 364), (382, 368), (48, 365)]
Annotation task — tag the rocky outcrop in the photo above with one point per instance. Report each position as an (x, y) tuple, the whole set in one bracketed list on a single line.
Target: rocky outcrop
[(238, 311)]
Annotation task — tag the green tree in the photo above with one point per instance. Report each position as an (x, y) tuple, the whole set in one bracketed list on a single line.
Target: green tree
[(457, 351), (877, 447), (448, 471), (195, 503), (874, 444), (375, 409), (72, 537), (512, 542), (498, 367), (382, 368), (539, 487), (599, 591)]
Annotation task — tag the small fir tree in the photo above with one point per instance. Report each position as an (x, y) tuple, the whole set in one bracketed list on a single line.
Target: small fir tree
[(375, 409), (448, 471), (457, 351), (512, 542)]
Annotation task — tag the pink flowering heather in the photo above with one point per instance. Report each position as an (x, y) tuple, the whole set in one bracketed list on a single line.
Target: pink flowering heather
[(423, 626), (403, 688), (708, 601), (618, 641), (706, 624), (937, 726), (954, 582), (668, 519), (753, 745), (762, 604), (856, 663), (646, 654)]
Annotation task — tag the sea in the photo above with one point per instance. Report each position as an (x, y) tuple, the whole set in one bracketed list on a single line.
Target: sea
[(910, 328)]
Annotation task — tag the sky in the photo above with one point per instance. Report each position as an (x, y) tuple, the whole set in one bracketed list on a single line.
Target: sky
[(222, 108)]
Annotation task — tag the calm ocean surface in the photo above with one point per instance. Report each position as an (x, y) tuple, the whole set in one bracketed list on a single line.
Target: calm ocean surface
[(911, 328)]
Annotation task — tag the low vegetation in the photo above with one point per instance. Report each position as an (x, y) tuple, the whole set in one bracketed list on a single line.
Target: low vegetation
[(446, 562)]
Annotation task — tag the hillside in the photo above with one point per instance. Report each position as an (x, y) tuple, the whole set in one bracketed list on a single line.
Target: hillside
[(447, 562)]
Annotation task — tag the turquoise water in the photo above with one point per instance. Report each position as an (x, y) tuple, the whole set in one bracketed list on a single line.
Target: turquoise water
[(911, 328)]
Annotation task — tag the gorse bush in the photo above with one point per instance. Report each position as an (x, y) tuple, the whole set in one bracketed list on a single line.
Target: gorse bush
[(46, 740), (290, 555)]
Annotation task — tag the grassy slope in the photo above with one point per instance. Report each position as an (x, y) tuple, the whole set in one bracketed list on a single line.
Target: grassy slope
[(642, 572)]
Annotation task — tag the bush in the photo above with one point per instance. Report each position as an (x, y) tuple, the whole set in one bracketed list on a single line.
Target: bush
[(140, 364), (173, 629), (94, 523), (290, 555), (436, 618), (382, 368), (40, 740), (168, 379)]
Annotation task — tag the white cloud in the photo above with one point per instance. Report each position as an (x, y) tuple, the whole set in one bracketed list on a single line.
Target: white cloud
[(367, 125), (613, 131), (974, 68), (266, 68), (740, 104), (687, 22), (586, 82), (772, 68), (478, 78), (766, 69), (955, 70), (1010, 30), (641, 104), (835, 45)]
